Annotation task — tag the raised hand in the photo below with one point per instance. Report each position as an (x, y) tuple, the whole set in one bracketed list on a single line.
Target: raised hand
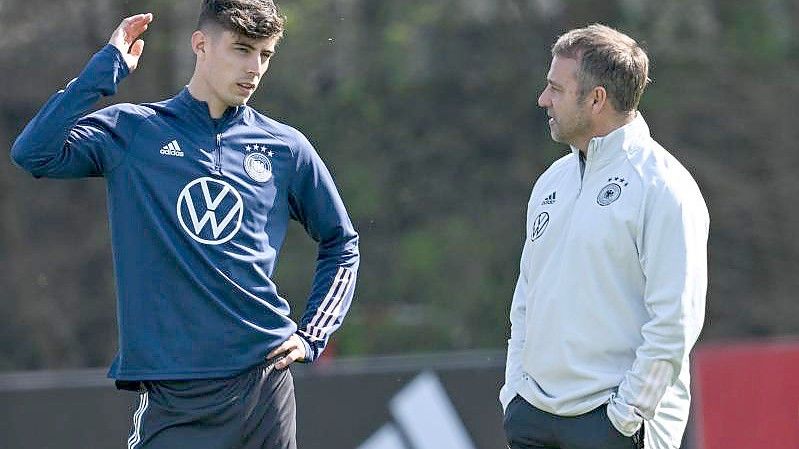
[(126, 38)]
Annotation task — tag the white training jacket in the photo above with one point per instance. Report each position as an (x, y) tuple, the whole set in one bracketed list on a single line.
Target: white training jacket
[(611, 291)]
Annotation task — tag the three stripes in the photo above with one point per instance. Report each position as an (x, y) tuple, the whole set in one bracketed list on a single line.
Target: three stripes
[(135, 438), (330, 308)]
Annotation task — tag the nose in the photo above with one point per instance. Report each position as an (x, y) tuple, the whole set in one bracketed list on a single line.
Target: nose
[(543, 99), (253, 69), (254, 65)]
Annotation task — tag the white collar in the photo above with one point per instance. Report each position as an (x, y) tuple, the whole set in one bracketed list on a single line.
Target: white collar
[(606, 147)]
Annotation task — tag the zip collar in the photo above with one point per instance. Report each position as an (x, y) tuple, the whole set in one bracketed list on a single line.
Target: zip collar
[(605, 148), (200, 110)]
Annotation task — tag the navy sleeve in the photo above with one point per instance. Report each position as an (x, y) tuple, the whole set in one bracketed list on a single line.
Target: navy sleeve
[(316, 204), (58, 143)]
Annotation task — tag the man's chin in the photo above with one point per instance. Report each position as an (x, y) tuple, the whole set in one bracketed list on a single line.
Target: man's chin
[(238, 101)]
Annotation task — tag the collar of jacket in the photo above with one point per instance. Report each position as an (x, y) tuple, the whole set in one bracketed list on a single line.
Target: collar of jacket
[(199, 110), (616, 143)]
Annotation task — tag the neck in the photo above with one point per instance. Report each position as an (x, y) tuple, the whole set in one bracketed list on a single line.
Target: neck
[(604, 127), (200, 91)]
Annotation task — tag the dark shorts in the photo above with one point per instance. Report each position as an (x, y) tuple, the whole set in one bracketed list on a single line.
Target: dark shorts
[(255, 409), (527, 427)]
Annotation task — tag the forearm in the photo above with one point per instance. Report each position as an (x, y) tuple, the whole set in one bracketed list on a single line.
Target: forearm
[(331, 293)]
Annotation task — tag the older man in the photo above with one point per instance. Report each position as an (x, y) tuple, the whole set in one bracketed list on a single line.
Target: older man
[(611, 292)]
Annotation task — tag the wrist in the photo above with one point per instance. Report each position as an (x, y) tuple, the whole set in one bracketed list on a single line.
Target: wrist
[(623, 416), (308, 349)]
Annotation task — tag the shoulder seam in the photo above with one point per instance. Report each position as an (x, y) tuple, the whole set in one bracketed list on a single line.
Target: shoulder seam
[(141, 120), (293, 150), (641, 204)]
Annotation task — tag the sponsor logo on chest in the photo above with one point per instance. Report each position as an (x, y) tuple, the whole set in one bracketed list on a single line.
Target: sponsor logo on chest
[(550, 199), (210, 210), (539, 226), (172, 149)]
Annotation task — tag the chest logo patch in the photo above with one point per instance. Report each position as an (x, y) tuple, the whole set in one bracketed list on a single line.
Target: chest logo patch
[(539, 225), (257, 163), (210, 210), (610, 192), (258, 167)]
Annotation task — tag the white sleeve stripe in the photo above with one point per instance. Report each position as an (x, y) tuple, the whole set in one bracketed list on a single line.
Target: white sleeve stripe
[(330, 310), (331, 306), (319, 331), (135, 438), (325, 304), (646, 391), (663, 382), (333, 309), (655, 381), (339, 274), (328, 323)]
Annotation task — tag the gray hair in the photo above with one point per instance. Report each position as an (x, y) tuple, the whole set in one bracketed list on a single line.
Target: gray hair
[(607, 58)]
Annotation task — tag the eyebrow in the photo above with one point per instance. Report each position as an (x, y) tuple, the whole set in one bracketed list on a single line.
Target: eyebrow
[(250, 46), (244, 44)]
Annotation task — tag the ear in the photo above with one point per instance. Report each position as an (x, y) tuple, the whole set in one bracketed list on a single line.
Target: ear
[(199, 43), (599, 99)]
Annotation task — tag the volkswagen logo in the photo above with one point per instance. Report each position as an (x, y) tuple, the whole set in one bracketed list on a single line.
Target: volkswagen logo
[(214, 210), (539, 225)]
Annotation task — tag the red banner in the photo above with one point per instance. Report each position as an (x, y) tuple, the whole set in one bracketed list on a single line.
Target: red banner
[(747, 395)]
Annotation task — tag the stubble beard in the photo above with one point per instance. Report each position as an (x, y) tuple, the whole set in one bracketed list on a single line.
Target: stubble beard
[(569, 135)]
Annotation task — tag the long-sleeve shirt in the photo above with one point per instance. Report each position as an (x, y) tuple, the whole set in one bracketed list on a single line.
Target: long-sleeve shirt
[(198, 211), (611, 292)]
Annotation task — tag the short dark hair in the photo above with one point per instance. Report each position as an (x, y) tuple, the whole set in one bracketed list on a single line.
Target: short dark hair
[(256, 19), (607, 58)]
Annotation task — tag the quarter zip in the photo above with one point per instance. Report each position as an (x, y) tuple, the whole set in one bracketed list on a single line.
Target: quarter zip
[(582, 174), (217, 127), (218, 152), (590, 155), (582, 163)]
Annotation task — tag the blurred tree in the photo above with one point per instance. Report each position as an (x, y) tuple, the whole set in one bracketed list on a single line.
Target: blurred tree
[(426, 114)]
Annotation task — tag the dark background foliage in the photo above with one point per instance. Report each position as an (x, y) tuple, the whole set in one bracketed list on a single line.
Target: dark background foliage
[(426, 113)]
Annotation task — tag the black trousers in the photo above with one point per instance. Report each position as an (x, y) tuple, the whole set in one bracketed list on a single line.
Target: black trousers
[(254, 410), (527, 427)]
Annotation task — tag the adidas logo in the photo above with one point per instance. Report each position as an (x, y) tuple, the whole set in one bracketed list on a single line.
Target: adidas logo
[(172, 149), (550, 199), (424, 418)]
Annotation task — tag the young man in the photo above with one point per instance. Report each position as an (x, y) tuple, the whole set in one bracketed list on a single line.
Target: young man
[(200, 191), (611, 291)]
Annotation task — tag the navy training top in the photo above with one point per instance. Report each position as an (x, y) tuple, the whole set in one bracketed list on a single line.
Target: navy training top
[(198, 212)]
